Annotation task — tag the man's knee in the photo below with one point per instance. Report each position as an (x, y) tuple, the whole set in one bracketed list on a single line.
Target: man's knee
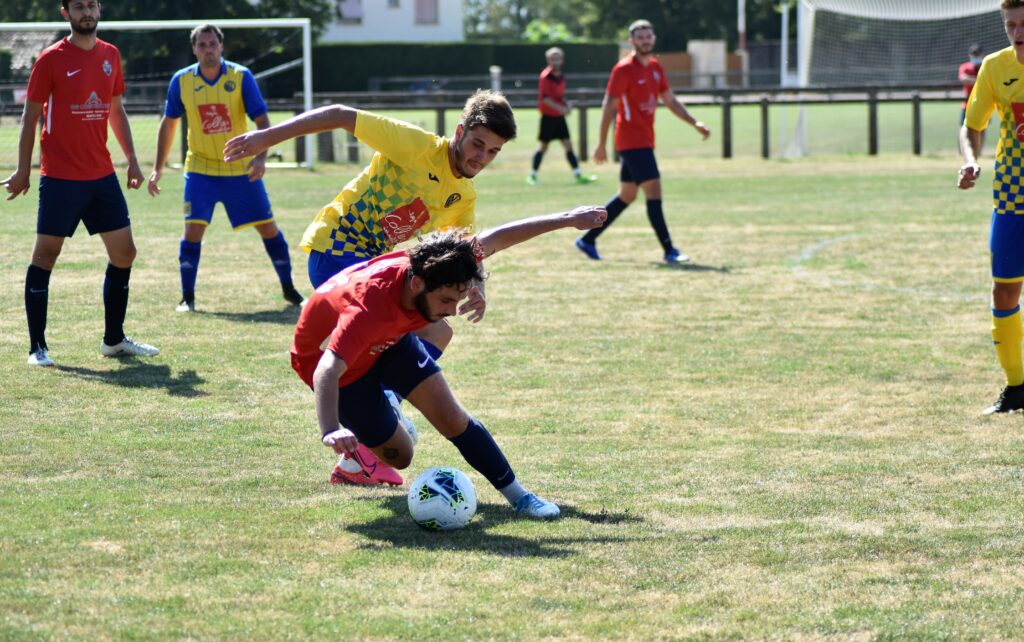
[(396, 457)]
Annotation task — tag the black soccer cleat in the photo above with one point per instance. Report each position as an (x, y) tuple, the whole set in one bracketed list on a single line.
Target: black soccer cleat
[(1010, 400), (291, 295)]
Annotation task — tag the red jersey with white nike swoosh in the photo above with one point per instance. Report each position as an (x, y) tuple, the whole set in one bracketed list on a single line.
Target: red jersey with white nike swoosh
[(76, 88), (637, 87), (357, 314)]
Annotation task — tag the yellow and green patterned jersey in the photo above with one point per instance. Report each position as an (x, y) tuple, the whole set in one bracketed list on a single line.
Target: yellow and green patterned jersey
[(1000, 86), (216, 112), (408, 188)]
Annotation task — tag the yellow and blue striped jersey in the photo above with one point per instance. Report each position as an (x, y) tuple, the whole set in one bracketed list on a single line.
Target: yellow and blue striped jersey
[(408, 188), (1000, 85), (216, 112)]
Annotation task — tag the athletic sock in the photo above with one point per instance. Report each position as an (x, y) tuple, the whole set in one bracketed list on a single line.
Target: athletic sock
[(1008, 335), (115, 303), (277, 250), (537, 158), (513, 492), (481, 452), (573, 163), (434, 352), (657, 218), (188, 265), (614, 207), (37, 296)]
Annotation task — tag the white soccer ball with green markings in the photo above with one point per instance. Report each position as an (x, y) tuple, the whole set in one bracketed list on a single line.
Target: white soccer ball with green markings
[(442, 499)]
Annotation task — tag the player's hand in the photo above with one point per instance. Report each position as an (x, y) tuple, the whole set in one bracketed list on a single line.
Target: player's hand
[(702, 129), (239, 147), (257, 167), (600, 155), (567, 109), (16, 184), (153, 185), (588, 217), (965, 179), (135, 176), (475, 305), (341, 441)]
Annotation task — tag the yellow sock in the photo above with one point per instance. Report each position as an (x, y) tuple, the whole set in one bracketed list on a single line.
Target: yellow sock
[(1008, 335)]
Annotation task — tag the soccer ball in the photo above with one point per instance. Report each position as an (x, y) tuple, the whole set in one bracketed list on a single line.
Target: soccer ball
[(442, 499)]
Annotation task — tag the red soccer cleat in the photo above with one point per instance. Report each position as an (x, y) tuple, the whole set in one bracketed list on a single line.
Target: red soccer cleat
[(374, 471)]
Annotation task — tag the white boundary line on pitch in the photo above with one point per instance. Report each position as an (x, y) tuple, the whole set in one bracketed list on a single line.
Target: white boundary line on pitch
[(811, 251)]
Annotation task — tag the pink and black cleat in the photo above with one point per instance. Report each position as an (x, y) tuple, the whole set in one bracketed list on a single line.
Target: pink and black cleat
[(372, 470)]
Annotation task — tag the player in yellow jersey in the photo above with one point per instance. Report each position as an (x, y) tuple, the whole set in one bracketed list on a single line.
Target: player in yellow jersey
[(1000, 86), (416, 182), (217, 96)]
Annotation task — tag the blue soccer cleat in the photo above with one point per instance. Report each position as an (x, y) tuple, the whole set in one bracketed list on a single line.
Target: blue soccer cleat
[(590, 249), (675, 257), (529, 505)]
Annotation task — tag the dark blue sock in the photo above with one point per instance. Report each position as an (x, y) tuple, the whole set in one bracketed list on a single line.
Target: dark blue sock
[(188, 265), (277, 250), (482, 453), (569, 156), (614, 208), (37, 298), (434, 352), (538, 156), (115, 303), (657, 218)]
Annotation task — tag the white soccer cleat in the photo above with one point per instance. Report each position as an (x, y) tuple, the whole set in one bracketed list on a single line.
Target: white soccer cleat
[(186, 306), (128, 348), (534, 507), (40, 358), (410, 427)]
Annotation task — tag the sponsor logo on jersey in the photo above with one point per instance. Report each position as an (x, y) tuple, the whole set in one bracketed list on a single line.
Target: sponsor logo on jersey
[(107, 68), (92, 109), (453, 199), (399, 224), (215, 118), (1018, 119)]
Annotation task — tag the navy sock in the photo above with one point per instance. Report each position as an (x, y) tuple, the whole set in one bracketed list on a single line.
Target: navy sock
[(188, 265), (115, 303), (277, 250), (657, 218), (538, 156), (573, 163), (37, 297), (434, 352), (614, 208), (482, 453)]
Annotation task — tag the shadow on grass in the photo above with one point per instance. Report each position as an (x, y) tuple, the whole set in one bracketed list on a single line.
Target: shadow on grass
[(397, 529), (694, 267), (136, 374), (287, 315)]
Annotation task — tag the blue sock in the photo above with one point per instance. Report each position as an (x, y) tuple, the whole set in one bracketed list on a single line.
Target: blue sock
[(188, 265), (277, 250), (37, 294), (614, 207), (115, 303), (483, 454), (434, 352), (657, 218)]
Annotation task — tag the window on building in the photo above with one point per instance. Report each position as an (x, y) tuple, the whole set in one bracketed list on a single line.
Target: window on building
[(349, 12), (426, 12), (394, 4)]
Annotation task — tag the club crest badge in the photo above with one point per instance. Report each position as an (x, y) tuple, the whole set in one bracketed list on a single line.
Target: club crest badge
[(107, 68), (230, 85), (453, 199)]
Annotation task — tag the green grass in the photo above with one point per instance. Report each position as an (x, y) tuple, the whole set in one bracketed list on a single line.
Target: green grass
[(781, 441)]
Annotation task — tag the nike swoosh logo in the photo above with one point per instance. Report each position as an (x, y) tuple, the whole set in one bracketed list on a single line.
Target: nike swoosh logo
[(1009, 82), (423, 364), (72, 73), (433, 178), (35, 291)]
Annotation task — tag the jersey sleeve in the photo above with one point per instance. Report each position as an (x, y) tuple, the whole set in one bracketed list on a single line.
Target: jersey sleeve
[(118, 75), (173, 107), (982, 102), (617, 82), (40, 81), (254, 103), (400, 142), (663, 82)]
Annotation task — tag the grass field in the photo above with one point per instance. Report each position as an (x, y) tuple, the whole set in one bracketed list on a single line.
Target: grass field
[(780, 442)]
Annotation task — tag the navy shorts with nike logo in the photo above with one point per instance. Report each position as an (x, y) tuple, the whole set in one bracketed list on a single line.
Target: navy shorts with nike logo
[(362, 406)]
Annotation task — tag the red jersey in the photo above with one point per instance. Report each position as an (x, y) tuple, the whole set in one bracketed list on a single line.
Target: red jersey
[(970, 70), (356, 314), (76, 87), (550, 86), (637, 87)]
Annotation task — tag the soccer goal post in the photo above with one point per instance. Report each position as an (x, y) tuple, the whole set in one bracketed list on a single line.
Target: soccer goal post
[(302, 24)]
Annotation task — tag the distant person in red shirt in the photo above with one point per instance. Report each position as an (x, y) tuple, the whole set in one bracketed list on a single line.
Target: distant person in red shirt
[(968, 74), (356, 337), (76, 85), (635, 85), (553, 110)]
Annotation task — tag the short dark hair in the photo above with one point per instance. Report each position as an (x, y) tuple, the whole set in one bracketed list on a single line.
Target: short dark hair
[(490, 109), (638, 25), (975, 49), (206, 28), (1011, 4), (446, 259)]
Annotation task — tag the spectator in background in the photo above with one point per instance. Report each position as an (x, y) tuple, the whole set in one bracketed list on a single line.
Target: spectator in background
[(553, 110), (968, 74)]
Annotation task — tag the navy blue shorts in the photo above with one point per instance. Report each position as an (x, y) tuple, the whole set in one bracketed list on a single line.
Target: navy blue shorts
[(638, 166), (362, 406), (99, 204), (245, 201), (322, 266), (1006, 243)]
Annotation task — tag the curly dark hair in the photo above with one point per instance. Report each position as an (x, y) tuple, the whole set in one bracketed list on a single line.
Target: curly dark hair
[(446, 259)]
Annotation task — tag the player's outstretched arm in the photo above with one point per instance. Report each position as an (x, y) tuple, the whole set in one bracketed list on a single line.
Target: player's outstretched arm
[(680, 110), (970, 146), (122, 129), (314, 121), (608, 105), (18, 182), (164, 139), (505, 236), (325, 393)]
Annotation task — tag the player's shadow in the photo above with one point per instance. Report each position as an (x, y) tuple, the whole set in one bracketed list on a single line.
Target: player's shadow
[(693, 267), (284, 316), (136, 374), (398, 530)]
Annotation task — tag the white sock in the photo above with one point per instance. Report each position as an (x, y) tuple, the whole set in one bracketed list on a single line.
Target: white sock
[(513, 492), (349, 464), (576, 172)]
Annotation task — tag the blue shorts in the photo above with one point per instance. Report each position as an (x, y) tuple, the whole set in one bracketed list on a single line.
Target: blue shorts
[(1006, 243), (99, 204), (638, 166), (322, 266), (362, 406), (246, 202)]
